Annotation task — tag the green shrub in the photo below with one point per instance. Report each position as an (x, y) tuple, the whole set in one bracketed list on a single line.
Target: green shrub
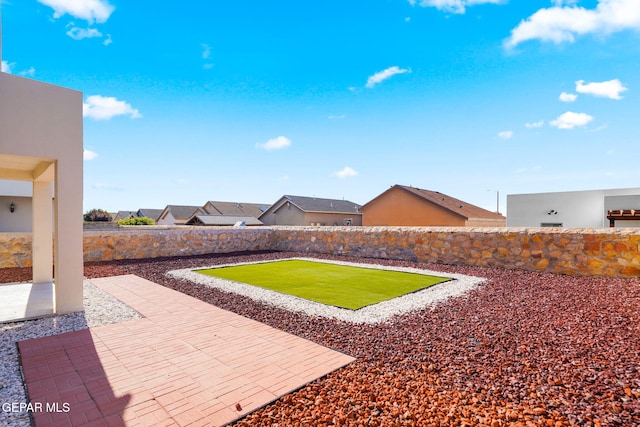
[(137, 220), (97, 215)]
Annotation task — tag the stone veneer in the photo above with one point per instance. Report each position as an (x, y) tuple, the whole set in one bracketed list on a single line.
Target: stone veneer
[(606, 252)]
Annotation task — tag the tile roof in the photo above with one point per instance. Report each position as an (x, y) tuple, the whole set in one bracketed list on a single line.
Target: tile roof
[(315, 204), (452, 204), (182, 212), (125, 214), (223, 220), (239, 209), (154, 214)]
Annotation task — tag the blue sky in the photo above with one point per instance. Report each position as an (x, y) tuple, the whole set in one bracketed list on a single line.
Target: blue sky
[(247, 101)]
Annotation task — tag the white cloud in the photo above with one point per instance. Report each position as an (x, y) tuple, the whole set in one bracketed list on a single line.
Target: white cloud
[(452, 6), (336, 117), (385, 74), (534, 125), (507, 134), (6, 67), (89, 155), (89, 10), (206, 54), (563, 22), (206, 50), (532, 169), (28, 73), (609, 89), (569, 120), (105, 186), (108, 40), (275, 143), (9, 68), (83, 33), (104, 108), (567, 97), (346, 172)]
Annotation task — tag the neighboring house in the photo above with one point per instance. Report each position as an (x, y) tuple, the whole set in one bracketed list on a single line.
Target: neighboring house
[(215, 213), (299, 210), (223, 220), (120, 215), (237, 209), (573, 209), (178, 214), (154, 214), (408, 206)]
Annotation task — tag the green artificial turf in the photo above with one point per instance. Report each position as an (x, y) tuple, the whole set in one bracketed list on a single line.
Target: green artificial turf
[(331, 284)]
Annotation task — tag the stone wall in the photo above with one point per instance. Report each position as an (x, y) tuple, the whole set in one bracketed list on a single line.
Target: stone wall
[(607, 252), (15, 250), (156, 241)]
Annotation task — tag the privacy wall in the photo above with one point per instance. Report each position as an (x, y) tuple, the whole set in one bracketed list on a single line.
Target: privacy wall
[(606, 252)]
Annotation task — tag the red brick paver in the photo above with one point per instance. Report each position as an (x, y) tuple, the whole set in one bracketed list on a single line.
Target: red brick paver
[(186, 363)]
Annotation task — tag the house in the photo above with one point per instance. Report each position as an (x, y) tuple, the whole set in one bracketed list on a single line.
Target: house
[(299, 210), (574, 209), (154, 214), (228, 214), (178, 214), (120, 215), (233, 208), (41, 145), (401, 205), (223, 220)]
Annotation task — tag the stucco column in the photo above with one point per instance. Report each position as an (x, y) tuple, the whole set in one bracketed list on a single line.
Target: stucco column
[(42, 232), (68, 234)]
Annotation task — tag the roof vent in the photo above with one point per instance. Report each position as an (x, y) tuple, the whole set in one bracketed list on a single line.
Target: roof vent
[(461, 206)]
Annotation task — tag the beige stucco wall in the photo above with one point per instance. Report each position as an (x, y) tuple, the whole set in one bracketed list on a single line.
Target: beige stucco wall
[(606, 252), (44, 122), (285, 215), (20, 219)]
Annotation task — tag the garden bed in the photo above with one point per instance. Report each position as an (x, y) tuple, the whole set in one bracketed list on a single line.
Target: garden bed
[(522, 347)]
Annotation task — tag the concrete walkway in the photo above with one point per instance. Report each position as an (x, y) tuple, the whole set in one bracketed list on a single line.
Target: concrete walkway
[(24, 301), (186, 363)]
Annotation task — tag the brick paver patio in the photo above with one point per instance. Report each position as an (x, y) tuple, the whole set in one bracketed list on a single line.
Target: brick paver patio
[(186, 363)]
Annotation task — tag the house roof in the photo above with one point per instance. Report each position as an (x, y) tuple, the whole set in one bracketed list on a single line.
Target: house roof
[(154, 214), (238, 209), (318, 205), (181, 211), (202, 219), (125, 214), (457, 206)]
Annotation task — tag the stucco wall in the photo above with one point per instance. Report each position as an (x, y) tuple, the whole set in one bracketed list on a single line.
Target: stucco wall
[(570, 208), (609, 252), (400, 208), (18, 220)]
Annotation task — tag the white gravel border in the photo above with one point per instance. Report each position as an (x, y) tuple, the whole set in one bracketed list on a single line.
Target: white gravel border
[(376, 313), (101, 308)]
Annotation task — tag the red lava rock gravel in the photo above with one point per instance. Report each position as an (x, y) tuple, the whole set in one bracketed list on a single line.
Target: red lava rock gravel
[(524, 349)]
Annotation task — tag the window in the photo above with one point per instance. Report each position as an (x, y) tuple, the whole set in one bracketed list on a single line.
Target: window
[(551, 224)]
